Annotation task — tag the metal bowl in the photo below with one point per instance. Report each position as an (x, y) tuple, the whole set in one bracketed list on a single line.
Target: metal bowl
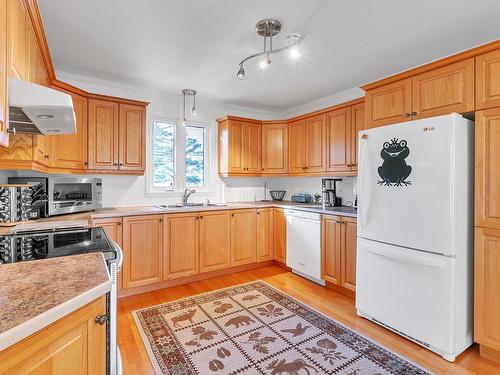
[(277, 195)]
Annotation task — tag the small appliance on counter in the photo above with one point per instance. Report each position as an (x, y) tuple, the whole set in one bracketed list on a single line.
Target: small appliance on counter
[(330, 191), (301, 198), (63, 195), (15, 203)]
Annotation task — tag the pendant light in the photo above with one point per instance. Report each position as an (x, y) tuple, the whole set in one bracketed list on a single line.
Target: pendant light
[(188, 92)]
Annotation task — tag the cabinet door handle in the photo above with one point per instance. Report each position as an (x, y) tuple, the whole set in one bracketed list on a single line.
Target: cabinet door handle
[(201, 217), (115, 164), (119, 223), (47, 156), (86, 163), (232, 215), (101, 319), (121, 164), (414, 113), (408, 114)]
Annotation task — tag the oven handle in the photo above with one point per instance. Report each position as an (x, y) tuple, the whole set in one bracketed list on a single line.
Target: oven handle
[(119, 256)]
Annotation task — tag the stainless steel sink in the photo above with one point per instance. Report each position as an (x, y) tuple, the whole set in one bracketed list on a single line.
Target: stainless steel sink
[(189, 205)]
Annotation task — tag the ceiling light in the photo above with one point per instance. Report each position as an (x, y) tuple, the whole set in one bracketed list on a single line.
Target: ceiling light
[(241, 73), (188, 92), (268, 28)]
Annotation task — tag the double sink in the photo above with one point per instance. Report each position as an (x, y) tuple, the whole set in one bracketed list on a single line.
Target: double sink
[(188, 205)]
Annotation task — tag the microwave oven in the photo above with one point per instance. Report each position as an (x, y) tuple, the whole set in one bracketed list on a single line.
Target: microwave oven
[(66, 195)]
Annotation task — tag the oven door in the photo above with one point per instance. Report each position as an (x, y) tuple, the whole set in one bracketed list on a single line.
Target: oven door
[(68, 195)]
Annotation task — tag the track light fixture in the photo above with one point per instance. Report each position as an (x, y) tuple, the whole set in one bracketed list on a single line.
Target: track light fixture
[(188, 92), (268, 28)]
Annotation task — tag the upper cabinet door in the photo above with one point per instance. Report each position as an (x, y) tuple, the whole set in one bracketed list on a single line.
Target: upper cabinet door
[(316, 153), (70, 150), (275, 148), (339, 139), (132, 142), (487, 191), (103, 135), (388, 104), (296, 147), (235, 144), (4, 136), (357, 124), (16, 39), (252, 148), (444, 90), (488, 80)]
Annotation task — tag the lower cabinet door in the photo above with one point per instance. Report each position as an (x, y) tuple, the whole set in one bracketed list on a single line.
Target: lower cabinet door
[(75, 344), (243, 237), (265, 235), (279, 225), (348, 253), (181, 245), (331, 249), (142, 250), (215, 240), (486, 286), (113, 228)]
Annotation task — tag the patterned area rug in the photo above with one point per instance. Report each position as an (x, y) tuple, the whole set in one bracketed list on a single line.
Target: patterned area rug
[(256, 329)]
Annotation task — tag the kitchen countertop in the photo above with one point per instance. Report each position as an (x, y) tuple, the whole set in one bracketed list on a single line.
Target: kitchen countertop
[(37, 293), (149, 210)]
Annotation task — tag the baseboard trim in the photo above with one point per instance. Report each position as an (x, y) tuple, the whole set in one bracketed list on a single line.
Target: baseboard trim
[(184, 280)]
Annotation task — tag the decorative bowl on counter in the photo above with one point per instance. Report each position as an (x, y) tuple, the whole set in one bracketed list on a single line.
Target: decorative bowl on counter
[(277, 195)]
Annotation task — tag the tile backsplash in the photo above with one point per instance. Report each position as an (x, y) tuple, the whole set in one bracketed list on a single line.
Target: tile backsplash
[(251, 189)]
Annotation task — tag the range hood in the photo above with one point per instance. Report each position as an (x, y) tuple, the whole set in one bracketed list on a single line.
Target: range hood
[(36, 109)]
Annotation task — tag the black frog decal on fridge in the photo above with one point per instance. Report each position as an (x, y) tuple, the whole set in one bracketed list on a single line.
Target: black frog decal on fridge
[(394, 171)]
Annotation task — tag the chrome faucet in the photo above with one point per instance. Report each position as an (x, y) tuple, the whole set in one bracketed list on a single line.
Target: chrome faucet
[(187, 194)]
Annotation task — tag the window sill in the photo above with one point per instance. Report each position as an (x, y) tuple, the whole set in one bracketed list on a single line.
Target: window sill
[(179, 193)]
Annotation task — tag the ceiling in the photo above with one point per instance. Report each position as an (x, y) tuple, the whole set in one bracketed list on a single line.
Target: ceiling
[(171, 44)]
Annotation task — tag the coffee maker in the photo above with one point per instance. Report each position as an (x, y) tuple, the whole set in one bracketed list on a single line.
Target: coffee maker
[(329, 194)]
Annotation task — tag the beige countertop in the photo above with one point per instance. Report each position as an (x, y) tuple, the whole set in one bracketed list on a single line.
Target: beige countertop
[(37, 293)]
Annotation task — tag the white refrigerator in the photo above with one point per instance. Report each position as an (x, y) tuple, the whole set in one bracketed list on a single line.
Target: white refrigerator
[(415, 231)]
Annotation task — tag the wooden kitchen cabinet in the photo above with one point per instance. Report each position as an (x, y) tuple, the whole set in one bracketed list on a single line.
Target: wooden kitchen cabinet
[(239, 146), (316, 150), (486, 286), (357, 124), (338, 264), (181, 245), (488, 80), (103, 140), (243, 237), (132, 138), (142, 250), (487, 171), (296, 147), (114, 230), (279, 225), (331, 249), (388, 104), (275, 148), (215, 240), (75, 344), (69, 151), (4, 136), (444, 90), (348, 253), (265, 234), (16, 39), (339, 140)]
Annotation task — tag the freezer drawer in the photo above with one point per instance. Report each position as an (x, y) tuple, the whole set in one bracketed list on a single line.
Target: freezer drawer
[(409, 291)]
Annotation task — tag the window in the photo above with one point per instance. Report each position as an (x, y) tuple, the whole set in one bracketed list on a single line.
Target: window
[(163, 154), (195, 156), (179, 156)]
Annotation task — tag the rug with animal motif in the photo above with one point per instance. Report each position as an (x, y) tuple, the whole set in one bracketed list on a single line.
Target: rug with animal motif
[(255, 329)]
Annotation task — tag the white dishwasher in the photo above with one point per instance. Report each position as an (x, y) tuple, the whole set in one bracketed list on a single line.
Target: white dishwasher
[(303, 244)]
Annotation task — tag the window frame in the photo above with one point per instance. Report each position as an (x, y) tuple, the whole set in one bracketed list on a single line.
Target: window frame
[(179, 156)]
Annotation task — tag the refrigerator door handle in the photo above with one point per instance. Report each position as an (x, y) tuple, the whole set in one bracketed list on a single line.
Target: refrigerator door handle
[(364, 202), (421, 258)]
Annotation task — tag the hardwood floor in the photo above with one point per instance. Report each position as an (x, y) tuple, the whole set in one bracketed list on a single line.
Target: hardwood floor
[(337, 306)]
